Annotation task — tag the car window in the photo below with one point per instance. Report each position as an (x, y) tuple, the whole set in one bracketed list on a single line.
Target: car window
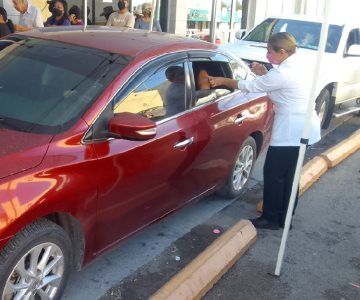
[(201, 70), (45, 86), (307, 34), (160, 96), (239, 72), (353, 38)]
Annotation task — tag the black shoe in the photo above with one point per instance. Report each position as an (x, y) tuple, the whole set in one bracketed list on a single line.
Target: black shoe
[(263, 223)]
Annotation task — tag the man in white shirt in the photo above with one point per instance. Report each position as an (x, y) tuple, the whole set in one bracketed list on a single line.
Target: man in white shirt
[(121, 18), (30, 16)]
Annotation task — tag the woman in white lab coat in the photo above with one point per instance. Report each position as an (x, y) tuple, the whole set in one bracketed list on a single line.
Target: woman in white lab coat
[(288, 86)]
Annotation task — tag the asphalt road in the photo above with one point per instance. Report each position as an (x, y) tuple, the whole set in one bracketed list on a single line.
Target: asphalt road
[(322, 259), (137, 268)]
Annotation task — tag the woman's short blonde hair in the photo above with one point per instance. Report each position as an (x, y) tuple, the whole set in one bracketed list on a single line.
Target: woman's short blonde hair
[(283, 40)]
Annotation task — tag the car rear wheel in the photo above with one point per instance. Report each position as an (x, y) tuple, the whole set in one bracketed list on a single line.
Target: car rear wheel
[(241, 170), (36, 263)]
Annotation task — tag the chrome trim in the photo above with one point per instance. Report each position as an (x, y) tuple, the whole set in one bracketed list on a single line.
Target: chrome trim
[(97, 141), (217, 100), (240, 119), (146, 132), (184, 143)]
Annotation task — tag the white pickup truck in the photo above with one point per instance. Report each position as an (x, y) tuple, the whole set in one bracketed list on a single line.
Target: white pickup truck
[(338, 90)]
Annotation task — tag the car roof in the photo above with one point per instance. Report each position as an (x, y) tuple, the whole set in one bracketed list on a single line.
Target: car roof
[(125, 41)]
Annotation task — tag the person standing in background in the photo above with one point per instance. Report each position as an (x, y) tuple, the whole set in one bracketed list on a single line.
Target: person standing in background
[(59, 15), (6, 25), (288, 87), (121, 18), (30, 16), (143, 22), (107, 11), (138, 12), (75, 15)]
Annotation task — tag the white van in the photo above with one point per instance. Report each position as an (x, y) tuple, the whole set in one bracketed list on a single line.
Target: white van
[(339, 81)]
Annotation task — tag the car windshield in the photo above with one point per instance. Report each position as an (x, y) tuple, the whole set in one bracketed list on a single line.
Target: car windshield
[(307, 34), (46, 86)]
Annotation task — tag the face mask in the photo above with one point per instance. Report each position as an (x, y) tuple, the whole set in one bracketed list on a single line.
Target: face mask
[(272, 60), (56, 12), (121, 5)]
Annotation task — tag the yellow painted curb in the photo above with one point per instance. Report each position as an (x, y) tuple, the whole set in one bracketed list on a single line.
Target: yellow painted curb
[(201, 274), (341, 151), (311, 172)]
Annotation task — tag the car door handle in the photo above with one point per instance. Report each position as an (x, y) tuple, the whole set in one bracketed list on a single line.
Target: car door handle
[(184, 143), (241, 119)]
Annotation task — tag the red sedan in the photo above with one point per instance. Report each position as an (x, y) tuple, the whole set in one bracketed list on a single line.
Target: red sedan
[(103, 133)]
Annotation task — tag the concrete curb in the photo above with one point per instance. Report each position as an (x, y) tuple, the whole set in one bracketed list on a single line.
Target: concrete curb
[(311, 172), (341, 151), (204, 271), (316, 167)]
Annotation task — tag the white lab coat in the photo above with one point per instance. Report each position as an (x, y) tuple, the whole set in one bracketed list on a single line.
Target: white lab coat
[(288, 86)]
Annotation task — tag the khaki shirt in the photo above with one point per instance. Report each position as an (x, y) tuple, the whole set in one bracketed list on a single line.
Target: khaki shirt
[(122, 20)]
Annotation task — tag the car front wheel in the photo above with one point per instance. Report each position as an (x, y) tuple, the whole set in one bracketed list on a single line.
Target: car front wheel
[(324, 108), (241, 170), (36, 263)]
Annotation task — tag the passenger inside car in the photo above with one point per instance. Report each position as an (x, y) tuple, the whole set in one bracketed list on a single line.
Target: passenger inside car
[(204, 92), (175, 93)]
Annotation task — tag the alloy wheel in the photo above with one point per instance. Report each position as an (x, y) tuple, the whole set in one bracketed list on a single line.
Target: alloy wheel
[(243, 167)]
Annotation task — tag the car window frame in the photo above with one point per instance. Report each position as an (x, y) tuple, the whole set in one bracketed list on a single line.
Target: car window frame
[(140, 77), (208, 56), (99, 126)]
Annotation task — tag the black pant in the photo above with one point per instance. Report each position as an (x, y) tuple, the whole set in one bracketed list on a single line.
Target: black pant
[(279, 171)]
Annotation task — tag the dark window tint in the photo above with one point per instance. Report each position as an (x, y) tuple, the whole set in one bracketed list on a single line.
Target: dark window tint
[(45, 86), (307, 34), (160, 96), (353, 38)]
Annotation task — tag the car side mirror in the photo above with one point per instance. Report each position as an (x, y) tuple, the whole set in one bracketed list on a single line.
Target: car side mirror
[(131, 126), (240, 34), (354, 50)]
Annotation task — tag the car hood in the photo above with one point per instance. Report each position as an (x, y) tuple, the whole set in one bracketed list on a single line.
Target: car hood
[(257, 51), (254, 51), (20, 151), (248, 51)]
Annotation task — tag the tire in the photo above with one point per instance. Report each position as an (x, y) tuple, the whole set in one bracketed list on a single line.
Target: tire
[(324, 108), (241, 170), (36, 262)]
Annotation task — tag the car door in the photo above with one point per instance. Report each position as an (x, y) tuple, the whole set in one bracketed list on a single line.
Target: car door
[(144, 180), (349, 67), (222, 119)]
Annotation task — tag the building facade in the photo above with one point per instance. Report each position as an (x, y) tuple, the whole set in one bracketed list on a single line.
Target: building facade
[(193, 17)]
